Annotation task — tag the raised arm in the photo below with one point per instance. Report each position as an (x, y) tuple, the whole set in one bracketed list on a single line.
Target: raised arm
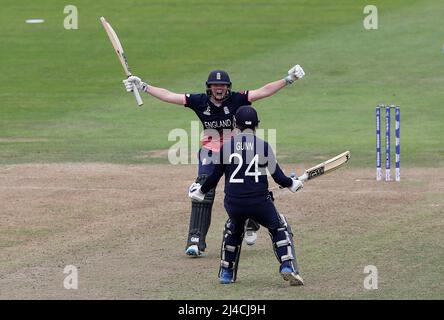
[(166, 95), (268, 90), (271, 88), (159, 93)]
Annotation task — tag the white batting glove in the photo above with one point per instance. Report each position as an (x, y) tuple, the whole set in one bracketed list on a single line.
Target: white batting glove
[(294, 73), (195, 193), (296, 186), (135, 81)]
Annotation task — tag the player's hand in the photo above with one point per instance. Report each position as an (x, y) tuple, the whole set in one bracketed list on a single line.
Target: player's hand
[(135, 81), (294, 73), (195, 193), (297, 185)]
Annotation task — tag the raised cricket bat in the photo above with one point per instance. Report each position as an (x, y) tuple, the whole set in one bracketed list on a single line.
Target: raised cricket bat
[(120, 54), (325, 167)]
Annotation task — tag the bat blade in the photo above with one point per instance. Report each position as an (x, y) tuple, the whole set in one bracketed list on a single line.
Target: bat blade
[(120, 54), (326, 167)]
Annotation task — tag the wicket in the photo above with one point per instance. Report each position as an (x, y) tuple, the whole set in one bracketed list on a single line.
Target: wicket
[(387, 142)]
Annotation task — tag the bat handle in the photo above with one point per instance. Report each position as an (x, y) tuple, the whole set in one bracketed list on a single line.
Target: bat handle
[(137, 95), (304, 177)]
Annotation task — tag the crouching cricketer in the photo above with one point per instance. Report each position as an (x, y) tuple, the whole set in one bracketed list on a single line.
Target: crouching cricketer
[(244, 160)]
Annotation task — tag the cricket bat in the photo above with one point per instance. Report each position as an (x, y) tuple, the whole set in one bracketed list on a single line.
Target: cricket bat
[(325, 167), (120, 54)]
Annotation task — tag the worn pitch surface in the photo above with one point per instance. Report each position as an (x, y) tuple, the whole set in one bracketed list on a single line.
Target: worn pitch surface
[(124, 227)]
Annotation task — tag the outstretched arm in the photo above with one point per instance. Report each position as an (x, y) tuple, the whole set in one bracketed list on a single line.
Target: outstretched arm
[(166, 95), (292, 182), (159, 93), (271, 88), (268, 90)]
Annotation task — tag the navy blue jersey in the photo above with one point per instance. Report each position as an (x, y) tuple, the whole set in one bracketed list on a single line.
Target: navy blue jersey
[(244, 160), (214, 117)]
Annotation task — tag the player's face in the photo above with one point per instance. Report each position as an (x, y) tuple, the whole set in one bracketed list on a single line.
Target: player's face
[(219, 91)]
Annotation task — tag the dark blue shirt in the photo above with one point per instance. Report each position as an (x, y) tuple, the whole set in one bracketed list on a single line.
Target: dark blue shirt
[(244, 160), (215, 117)]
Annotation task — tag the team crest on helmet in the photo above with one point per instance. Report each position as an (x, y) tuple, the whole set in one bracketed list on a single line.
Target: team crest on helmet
[(218, 76)]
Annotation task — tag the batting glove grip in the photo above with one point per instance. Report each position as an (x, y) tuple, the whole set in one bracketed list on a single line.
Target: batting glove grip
[(134, 81), (296, 186), (195, 193)]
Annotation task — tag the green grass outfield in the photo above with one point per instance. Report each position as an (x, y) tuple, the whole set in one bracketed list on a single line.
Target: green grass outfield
[(62, 99)]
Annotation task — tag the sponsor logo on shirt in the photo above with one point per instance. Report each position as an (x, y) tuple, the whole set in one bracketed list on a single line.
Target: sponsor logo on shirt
[(208, 111)]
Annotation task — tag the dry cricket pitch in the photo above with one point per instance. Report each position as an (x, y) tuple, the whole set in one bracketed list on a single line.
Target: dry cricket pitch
[(124, 227)]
